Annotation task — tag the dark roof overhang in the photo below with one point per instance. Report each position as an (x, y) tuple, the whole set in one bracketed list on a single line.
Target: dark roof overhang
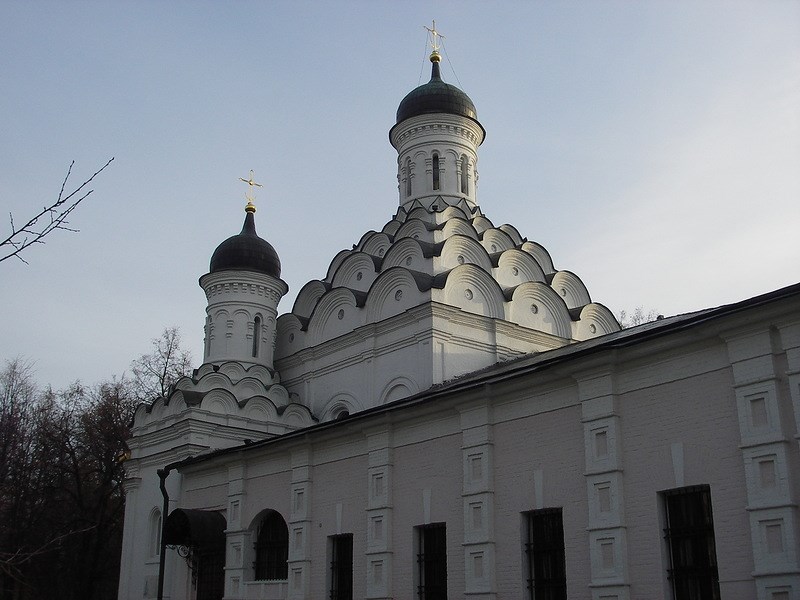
[(190, 527)]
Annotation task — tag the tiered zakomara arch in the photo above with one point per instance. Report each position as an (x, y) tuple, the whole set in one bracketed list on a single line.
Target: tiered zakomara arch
[(454, 256)]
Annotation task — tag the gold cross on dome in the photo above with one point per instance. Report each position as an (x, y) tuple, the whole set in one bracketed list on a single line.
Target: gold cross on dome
[(251, 182), (434, 36)]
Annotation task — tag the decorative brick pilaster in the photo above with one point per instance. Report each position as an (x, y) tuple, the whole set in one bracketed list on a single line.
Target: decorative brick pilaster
[(763, 427), (300, 526), (608, 546), (237, 538), (478, 500), (379, 514)]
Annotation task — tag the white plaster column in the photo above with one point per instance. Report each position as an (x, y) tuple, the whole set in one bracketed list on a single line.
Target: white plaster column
[(131, 487), (608, 547)]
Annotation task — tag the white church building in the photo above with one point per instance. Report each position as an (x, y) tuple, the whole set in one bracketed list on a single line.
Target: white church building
[(446, 415)]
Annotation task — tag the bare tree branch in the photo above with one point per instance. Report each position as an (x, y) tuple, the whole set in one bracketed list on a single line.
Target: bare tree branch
[(19, 556), (637, 317), (154, 373), (47, 220), (61, 496)]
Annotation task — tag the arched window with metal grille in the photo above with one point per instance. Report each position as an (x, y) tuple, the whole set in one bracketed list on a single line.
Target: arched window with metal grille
[(272, 548)]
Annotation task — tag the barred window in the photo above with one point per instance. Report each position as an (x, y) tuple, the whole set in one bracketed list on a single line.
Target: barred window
[(432, 562), (342, 567), (272, 548), (544, 551), (436, 171), (690, 539)]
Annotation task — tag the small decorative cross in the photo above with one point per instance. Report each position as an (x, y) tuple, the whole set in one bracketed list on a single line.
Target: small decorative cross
[(252, 184), (434, 36)]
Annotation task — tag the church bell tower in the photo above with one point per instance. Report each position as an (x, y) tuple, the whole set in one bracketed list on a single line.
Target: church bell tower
[(436, 136), (243, 288)]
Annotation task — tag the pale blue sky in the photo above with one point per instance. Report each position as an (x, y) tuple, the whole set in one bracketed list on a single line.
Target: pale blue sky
[(651, 147)]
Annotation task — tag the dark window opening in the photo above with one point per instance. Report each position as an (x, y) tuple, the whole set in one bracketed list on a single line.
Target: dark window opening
[(432, 562), (464, 174), (155, 533), (256, 335), (272, 548), (544, 550), (690, 540), (211, 573), (408, 177), (342, 567), (436, 171)]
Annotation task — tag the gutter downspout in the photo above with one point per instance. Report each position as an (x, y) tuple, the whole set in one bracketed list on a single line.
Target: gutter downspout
[(162, 476)]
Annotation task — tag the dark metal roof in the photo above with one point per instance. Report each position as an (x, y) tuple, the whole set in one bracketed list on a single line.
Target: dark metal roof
[(436, 96), (246, 251)]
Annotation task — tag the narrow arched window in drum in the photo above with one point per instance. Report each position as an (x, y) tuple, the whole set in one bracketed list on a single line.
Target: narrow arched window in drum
[(256, 335), (408, 177)]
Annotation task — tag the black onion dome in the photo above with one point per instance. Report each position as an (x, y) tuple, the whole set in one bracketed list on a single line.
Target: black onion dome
[(436, 96), (246, 252)]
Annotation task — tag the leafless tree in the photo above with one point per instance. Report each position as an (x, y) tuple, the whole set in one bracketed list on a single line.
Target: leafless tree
[(61, 475), (637, 317), (154, 373), (61, 497), (49, 219)]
